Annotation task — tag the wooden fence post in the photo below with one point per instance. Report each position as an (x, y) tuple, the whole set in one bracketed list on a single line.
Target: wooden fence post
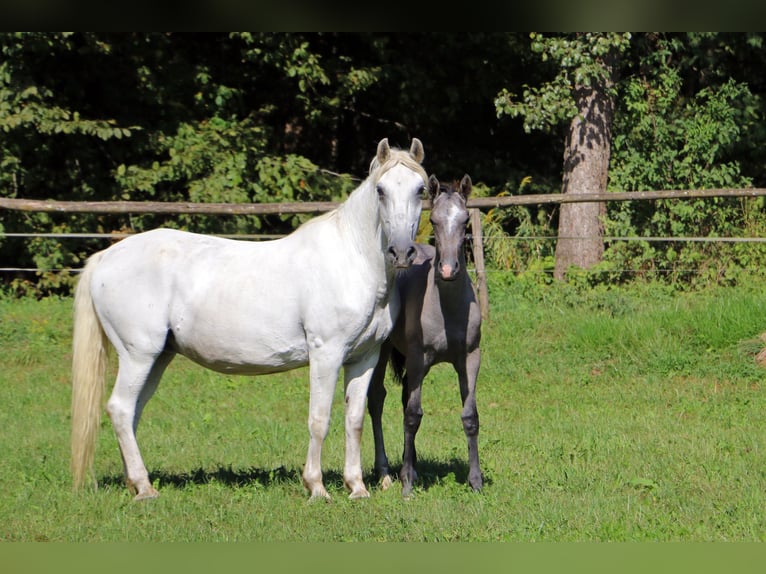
[(478, 259)]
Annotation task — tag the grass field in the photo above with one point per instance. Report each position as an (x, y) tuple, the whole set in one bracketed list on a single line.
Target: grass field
[(623, 415)]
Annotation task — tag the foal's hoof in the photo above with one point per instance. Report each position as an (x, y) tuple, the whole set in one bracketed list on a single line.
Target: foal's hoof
[(147, 494), (386, 482)]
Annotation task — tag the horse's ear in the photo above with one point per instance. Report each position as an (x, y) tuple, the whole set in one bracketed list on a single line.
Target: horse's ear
[(416, 150), (433, 187), (384, 151), (465, 186)]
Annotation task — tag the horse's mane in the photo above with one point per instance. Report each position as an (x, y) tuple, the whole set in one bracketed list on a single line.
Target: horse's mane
[(395, 157)]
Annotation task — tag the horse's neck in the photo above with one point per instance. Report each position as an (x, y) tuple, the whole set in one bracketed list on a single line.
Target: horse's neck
[(358, 221)]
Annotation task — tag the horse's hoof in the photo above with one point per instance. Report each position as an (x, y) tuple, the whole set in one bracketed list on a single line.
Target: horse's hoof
[(319, 494), (147, 494), (386, 482), (359, 493)]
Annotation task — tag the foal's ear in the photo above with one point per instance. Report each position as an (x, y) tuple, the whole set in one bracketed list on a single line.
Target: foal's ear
[(416, 150), (384, 151), (433, 187), (466, 186)]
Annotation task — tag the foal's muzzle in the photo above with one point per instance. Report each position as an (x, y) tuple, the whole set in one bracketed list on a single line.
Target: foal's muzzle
[(448, 271)]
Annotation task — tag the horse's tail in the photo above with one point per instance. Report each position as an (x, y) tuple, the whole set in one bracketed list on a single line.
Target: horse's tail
[(89, 359), (397, 362)]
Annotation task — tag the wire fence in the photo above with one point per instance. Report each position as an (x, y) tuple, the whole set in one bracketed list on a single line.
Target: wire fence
[(265, 237), (479, 203)]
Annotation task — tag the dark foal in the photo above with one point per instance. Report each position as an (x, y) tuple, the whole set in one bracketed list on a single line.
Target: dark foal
[(439, 322)]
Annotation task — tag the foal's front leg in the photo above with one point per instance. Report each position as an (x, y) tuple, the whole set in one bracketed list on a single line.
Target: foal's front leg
[(413, 414)]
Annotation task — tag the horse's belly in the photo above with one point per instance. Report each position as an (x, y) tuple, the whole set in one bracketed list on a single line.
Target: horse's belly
[(242, 347), (257, 359)]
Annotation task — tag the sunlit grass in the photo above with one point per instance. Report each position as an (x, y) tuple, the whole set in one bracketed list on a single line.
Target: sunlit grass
[(616, 415)]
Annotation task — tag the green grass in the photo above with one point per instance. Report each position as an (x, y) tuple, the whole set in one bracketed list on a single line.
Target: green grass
[(609, 415)]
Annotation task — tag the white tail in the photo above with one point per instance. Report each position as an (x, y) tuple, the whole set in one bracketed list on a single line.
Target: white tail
[(89, 359)]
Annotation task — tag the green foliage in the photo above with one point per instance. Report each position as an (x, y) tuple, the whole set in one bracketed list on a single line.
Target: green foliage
[(168, 121), (580, 59), (667, 140), (528, 253)]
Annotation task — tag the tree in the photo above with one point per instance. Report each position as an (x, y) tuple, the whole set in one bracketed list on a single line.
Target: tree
[(581, 93), (687, 119)]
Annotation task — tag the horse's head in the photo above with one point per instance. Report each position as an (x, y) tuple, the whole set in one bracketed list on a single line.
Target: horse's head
[(399, 181), (449, 215)]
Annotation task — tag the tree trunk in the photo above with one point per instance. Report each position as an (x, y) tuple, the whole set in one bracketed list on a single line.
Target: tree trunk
[(586, 163)]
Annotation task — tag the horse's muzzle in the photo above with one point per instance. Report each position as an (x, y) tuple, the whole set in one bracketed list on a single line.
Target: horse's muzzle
[(401, 258)]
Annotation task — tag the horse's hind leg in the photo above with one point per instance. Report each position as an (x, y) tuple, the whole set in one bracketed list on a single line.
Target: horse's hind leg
[(376, 397), (137, 379), (467, 376)]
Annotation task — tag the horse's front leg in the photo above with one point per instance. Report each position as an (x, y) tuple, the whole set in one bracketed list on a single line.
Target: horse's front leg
[(413, 414), (357, 382), (323, 374), (376, 398), (470, 415)]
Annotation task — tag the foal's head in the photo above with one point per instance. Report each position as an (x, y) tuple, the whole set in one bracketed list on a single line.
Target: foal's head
[(449, 216)]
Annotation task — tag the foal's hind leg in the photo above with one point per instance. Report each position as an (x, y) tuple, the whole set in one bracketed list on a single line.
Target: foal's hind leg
[(376, 398), (467, 375), (137, 379)]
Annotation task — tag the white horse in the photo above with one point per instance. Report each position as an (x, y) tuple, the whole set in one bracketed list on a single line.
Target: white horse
[(320, 296)]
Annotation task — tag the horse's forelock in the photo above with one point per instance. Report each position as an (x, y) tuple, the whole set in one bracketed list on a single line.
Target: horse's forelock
[(396, 157)]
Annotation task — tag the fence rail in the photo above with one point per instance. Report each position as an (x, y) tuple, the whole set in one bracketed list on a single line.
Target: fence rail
[(313, 207), (475, 203)]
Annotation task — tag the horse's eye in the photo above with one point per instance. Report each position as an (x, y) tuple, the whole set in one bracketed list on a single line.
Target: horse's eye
[(381, 192)]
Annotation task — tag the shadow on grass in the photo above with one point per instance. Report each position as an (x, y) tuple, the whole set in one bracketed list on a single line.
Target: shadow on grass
[(430, 472), (228, 476), (433, 472)]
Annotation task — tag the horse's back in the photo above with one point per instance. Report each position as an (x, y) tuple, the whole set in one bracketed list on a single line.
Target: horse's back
[(220, 302), (233, 305)]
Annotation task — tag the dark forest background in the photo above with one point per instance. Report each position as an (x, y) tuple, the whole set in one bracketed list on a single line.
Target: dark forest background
[(275, 117)]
